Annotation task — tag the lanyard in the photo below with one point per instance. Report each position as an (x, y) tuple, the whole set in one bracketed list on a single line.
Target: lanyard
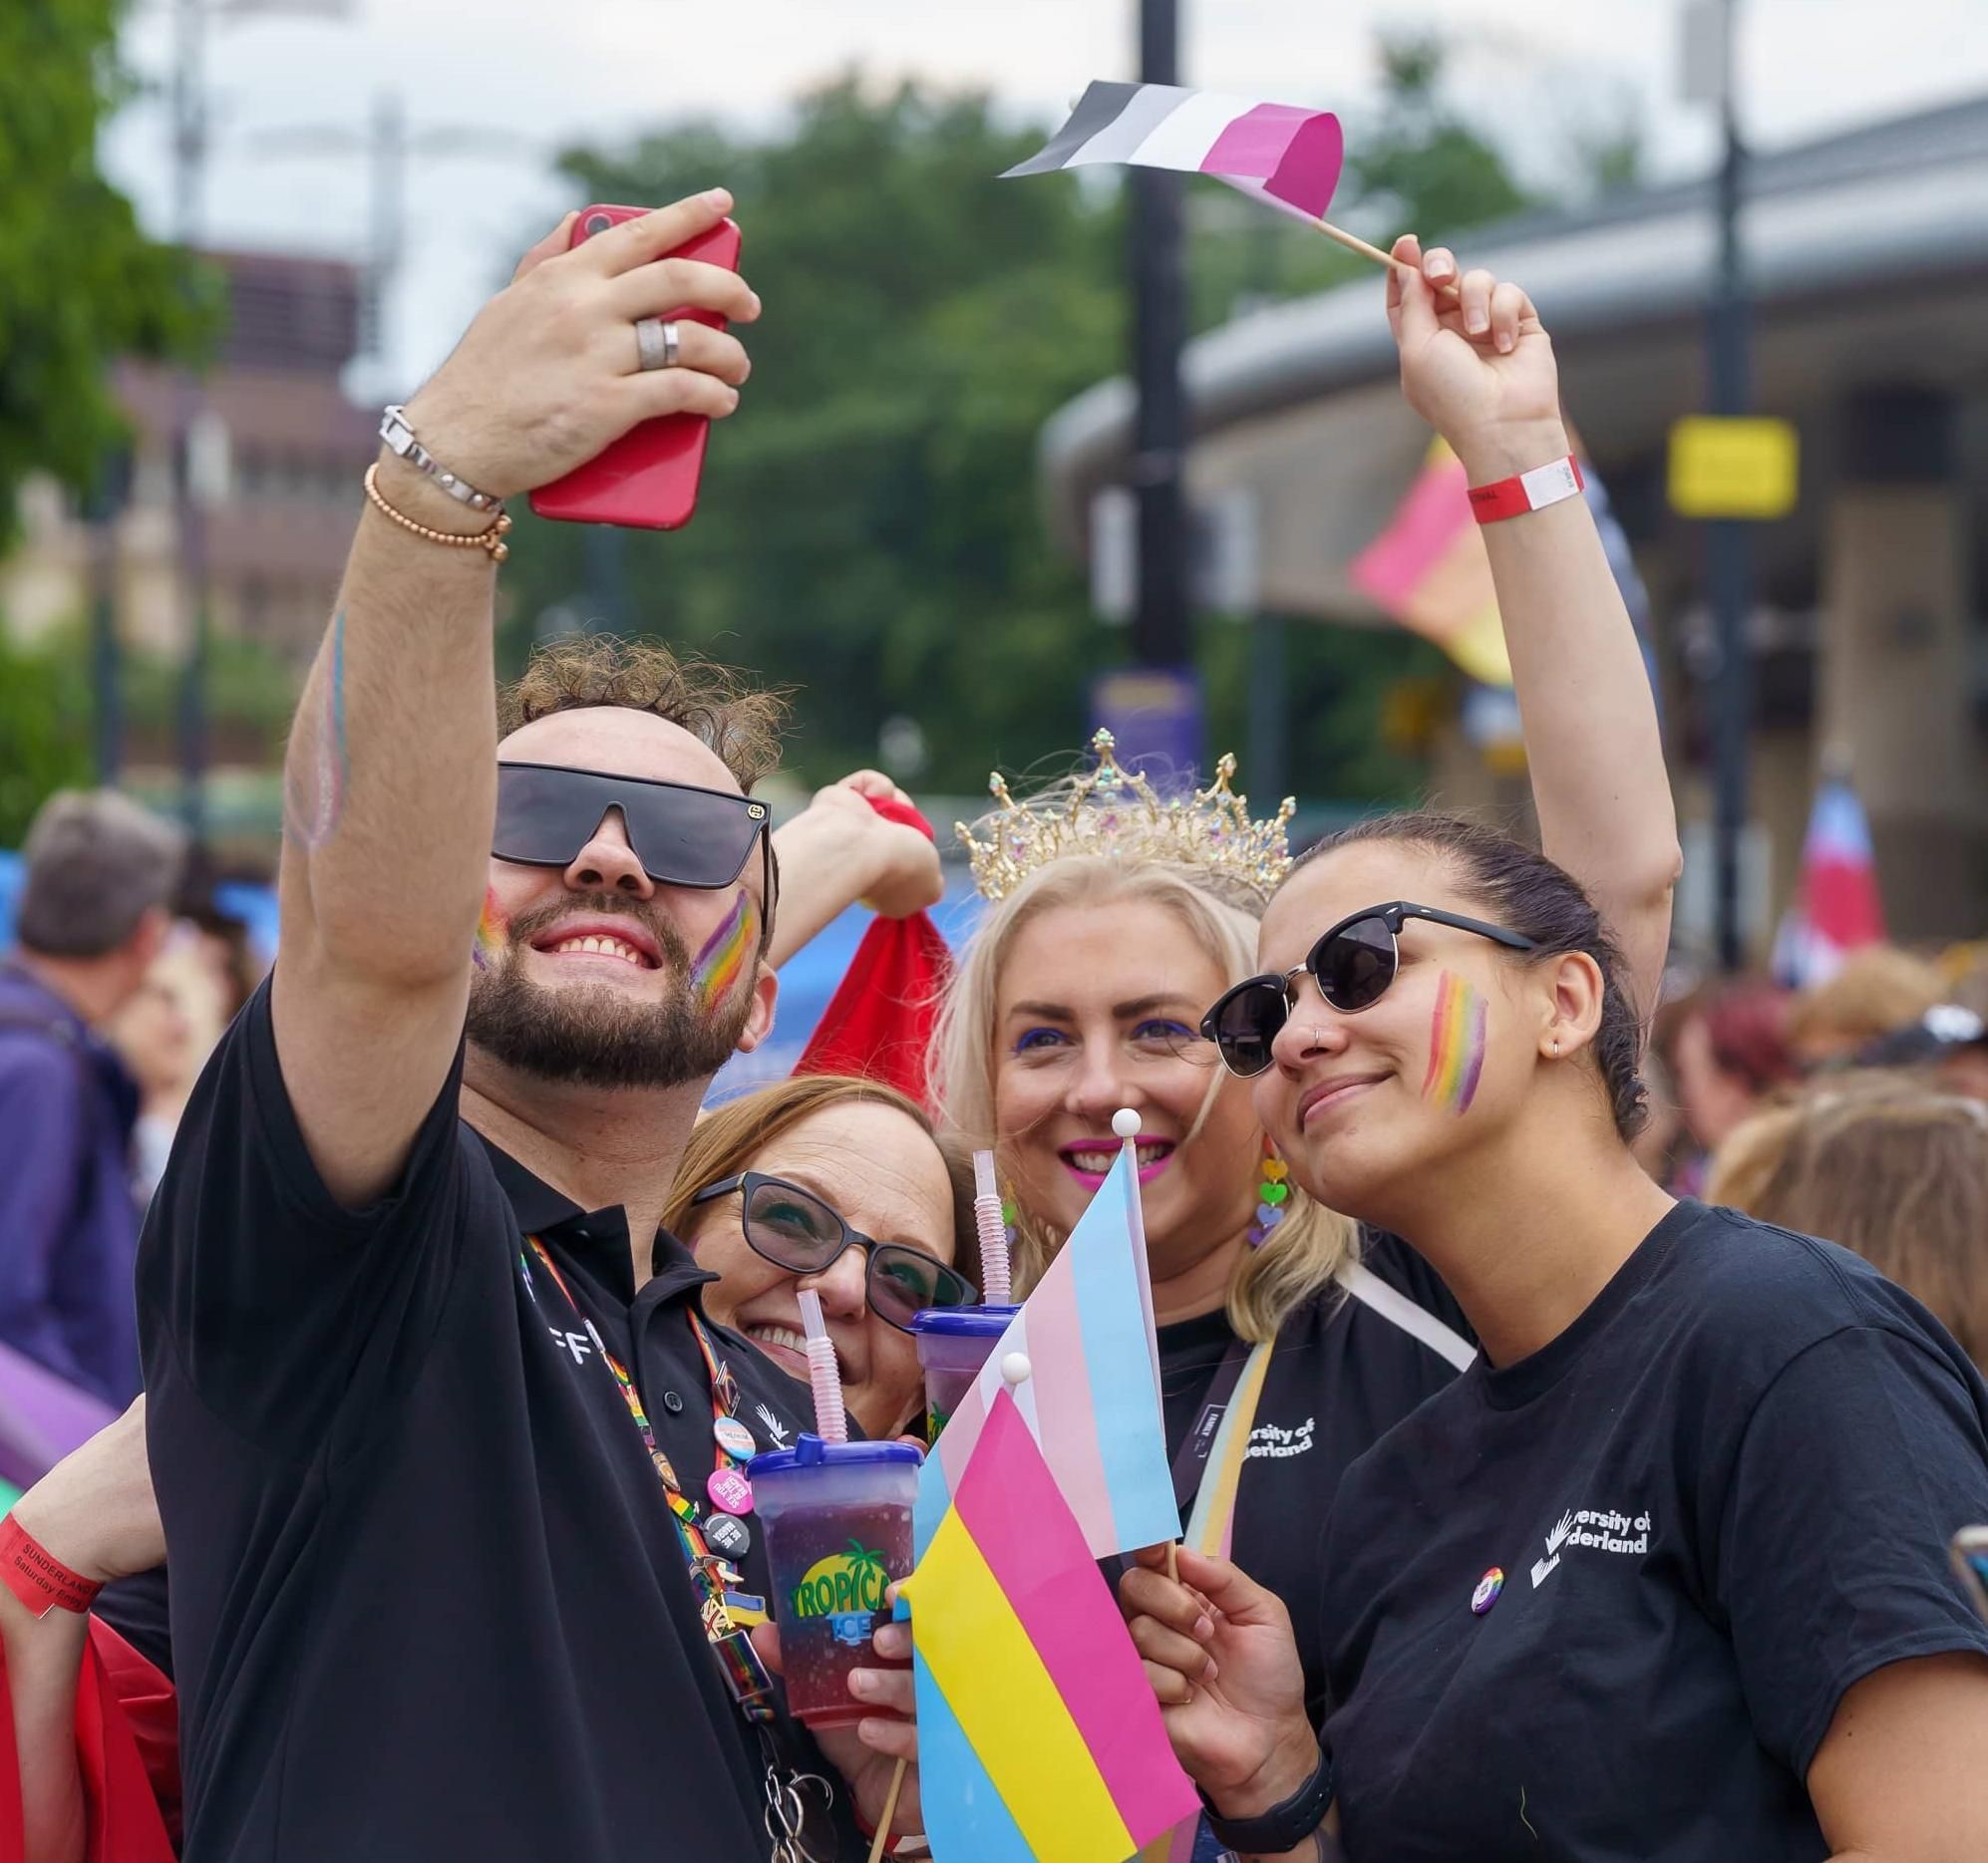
[(1192, 1458), (712, 1577), (1209, 1466)]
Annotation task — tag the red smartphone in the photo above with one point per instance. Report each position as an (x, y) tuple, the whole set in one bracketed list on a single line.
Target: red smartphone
[(647, 478)]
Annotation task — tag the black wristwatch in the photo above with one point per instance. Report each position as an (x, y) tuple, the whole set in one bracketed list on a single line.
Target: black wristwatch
[(1284, 1827)]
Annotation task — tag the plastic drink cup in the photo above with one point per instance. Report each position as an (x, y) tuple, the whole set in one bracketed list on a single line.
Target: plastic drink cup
[(953, 1344), (838, 1521)]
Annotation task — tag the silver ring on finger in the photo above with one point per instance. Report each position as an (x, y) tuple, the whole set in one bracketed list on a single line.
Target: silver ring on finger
[(657, 343)]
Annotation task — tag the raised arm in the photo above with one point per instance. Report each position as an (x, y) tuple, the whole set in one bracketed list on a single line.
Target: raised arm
[(838, 852), (1480, 371), (391, 776)]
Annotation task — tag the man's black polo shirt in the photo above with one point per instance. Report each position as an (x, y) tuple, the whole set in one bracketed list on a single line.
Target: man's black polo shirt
[(427, 1599)]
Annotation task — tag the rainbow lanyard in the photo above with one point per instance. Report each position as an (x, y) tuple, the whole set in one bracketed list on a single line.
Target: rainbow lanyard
[(711, 1576)]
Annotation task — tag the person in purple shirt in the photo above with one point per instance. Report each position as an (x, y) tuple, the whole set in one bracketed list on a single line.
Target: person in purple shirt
[(94, 911)]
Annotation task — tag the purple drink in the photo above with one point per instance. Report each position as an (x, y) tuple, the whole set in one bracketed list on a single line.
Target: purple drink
[(838, 1520)]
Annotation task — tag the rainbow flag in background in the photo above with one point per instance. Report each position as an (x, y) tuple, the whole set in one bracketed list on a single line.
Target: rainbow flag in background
[(1093, 1400), (1039, 1737), (1282, 155)]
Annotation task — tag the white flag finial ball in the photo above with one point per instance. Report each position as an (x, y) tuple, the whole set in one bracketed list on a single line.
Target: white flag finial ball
[(1125, 1123), (1016, 1369)]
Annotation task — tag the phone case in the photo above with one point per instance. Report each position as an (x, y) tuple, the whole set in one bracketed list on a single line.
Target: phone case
[(647, 480)]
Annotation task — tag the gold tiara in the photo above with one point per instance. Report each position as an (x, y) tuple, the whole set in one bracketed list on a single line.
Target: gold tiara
[(1116, 813)]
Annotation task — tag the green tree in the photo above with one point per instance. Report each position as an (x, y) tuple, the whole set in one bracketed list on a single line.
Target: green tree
[(868, 528), (44, 731), (80, 284)]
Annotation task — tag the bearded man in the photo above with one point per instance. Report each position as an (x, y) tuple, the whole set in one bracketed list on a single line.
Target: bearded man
[(433, 1408)]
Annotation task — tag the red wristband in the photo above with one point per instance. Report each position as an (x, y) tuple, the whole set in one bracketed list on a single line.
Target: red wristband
[(1528, 491), (36, 1577)]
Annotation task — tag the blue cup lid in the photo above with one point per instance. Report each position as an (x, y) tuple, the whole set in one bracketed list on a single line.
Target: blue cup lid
[(963, 1322), (811, 1453)]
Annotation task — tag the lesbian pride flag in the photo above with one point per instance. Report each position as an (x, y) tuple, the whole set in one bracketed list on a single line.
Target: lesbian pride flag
[(1092, 1401), (1039, 1738), (1287, 156)]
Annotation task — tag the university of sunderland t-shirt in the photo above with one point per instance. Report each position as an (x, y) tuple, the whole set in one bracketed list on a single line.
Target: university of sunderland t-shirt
[(1340, 1376), (427, 1599), (1719, 1500)]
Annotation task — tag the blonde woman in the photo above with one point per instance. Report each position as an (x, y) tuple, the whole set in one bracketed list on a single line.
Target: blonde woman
[(1115, 920)]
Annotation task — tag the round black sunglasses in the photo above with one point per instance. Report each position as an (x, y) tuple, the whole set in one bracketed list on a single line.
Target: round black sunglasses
[(1353, 964), (794, 1229)]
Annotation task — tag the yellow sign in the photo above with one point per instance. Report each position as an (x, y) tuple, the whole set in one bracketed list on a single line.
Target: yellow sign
[(1725, 466)]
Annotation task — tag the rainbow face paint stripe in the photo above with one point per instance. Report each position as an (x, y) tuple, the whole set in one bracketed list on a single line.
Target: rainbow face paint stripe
[(1456, 1044), (491, 930), (726, 954)]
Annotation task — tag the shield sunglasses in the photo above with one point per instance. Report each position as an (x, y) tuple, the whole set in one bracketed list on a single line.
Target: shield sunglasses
[(683, 837), (1353, 964), (796, 1230)]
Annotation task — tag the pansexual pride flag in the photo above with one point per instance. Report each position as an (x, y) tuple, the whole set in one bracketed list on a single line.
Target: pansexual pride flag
[(1285, 156), (1039, 1737), (1093, 1401)]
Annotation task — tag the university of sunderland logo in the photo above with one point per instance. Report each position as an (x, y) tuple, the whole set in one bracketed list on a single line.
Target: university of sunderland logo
[(1273, 1439), (775, 1428), (1600, 1529)]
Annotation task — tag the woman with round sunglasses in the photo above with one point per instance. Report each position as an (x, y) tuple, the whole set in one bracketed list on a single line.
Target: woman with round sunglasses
[(1664, 1574), (839, 1185), (1116, 922)]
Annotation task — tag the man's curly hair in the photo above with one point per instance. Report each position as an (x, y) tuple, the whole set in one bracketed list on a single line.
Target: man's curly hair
[(739, 722)]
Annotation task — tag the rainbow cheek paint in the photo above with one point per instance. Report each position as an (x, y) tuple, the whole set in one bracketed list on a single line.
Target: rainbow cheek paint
[(1456, 1044), (727, 954), (492, 928)]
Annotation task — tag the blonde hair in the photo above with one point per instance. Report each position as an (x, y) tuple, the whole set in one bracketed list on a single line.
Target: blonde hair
[(1879, 989), (1308, 1248), (1895, 1172)]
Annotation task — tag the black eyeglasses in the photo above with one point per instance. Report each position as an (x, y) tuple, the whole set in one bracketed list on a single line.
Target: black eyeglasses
[(1353, 964), (794, 1229), (683, 837)]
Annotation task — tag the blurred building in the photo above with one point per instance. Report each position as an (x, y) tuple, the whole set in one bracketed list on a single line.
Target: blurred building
[(1867, 255), (279, 451)]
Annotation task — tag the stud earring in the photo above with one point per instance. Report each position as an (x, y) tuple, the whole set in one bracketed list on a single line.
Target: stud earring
[(1273, 1195)]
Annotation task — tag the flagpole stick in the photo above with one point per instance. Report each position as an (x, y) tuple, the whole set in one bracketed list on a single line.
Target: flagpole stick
[(1354, 243), (1126, 1125), (882, 1836)]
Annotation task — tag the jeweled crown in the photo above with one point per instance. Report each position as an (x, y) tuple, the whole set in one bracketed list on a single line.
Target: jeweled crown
[(1113, 812)]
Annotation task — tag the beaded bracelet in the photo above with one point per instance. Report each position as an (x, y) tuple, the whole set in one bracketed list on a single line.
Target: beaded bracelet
[(490, 542)]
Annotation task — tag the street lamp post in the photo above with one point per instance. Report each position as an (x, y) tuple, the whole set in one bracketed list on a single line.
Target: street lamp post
[(1728, 540), (1160, 630)]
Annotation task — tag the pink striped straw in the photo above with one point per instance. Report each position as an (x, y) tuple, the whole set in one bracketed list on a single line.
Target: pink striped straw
[(832, 1422), (997, 1289)]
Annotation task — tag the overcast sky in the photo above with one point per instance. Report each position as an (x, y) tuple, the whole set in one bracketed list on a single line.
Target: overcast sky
[(596, 69)]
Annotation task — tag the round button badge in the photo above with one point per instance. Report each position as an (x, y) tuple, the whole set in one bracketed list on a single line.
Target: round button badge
[(728, 1537), (1488, 1590), (734, 1439), (730, 1490)]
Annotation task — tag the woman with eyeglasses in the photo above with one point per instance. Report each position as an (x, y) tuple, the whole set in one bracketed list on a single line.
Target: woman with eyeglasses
[(1664, 1574), (839, 1185), (1116, 919)]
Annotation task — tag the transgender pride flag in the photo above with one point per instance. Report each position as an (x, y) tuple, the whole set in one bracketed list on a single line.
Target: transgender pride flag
[(1837, 908), (1091, 1399), (1285, 156)]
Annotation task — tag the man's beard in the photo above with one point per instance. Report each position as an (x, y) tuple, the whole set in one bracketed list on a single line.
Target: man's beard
[(593, 1034)]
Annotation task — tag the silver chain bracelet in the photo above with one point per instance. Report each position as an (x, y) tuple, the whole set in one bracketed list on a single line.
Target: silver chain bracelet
[(399, 436)]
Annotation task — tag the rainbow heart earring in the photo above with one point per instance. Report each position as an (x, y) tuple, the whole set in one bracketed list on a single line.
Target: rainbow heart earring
[(1273, 1195)]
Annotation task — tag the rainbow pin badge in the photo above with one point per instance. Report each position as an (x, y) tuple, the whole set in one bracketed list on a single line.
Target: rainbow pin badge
[(1487, 1591)]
